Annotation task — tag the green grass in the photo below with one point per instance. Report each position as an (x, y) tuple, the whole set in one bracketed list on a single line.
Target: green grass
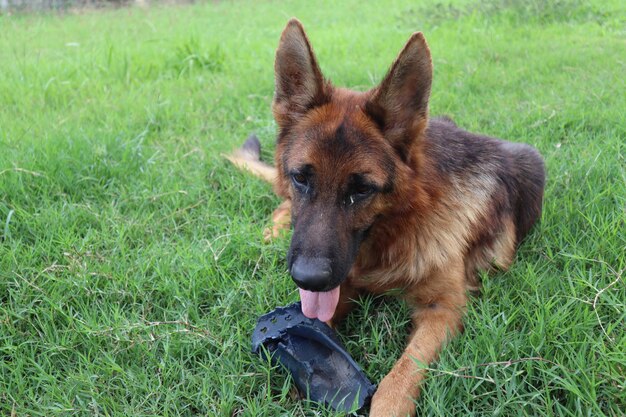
[(132, 268)]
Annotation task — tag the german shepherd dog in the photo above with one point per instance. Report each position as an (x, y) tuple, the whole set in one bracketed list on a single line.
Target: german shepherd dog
[(381, 198)]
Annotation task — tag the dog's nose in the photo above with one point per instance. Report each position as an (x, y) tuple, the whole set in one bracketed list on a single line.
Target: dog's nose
[(312, 274)]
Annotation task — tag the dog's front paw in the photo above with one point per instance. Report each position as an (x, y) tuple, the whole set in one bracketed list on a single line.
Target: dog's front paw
[(393, 398)]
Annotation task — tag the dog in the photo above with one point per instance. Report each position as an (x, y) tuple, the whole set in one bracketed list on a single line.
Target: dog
[(381, 197)]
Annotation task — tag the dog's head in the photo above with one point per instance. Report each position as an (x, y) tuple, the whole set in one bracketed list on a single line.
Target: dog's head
[(342, 156)]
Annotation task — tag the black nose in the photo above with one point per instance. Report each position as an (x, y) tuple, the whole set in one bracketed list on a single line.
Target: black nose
[(312, 274)]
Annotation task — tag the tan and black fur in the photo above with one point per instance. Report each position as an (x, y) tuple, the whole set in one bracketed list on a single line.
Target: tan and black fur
[(389, 199)]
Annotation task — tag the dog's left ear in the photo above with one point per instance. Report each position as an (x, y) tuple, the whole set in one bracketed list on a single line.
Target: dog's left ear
[(399, 105), (300, 85)]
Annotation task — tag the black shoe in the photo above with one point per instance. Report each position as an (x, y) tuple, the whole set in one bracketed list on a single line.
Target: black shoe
[(319, 364)]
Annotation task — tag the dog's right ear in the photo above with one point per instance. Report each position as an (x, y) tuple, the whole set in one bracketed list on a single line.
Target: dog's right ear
[(399, 105), (300, 85)]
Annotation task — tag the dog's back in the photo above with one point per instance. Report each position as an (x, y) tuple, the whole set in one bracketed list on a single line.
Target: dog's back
[(528, 169), (494, 186)]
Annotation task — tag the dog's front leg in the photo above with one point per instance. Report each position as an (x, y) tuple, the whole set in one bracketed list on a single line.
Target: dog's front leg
[(441, 303), (281, 220)]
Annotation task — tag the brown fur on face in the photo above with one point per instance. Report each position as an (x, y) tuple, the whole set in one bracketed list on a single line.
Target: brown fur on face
[(393, 199)]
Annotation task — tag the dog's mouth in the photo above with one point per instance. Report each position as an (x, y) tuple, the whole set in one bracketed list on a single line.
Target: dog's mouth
[(320, 276), (319, 305)]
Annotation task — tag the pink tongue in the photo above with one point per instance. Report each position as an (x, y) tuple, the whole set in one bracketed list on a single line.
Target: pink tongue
[(320, 305)]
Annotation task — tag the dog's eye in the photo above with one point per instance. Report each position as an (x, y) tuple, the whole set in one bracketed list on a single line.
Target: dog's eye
[(363, 190), (360, 192), (300, 179)]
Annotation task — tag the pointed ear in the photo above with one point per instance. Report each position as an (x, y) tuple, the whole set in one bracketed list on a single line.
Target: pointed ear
[(399, 105), (300, 85)]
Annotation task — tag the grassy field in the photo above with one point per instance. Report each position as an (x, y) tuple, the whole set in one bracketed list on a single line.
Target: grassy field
[(132, 268)]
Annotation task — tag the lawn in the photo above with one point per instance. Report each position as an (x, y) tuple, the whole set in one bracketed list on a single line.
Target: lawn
[(132, 267)]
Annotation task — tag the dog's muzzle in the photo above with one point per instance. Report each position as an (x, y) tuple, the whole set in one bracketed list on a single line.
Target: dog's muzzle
[(312, 274)]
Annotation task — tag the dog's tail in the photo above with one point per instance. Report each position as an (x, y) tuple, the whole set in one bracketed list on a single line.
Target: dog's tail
[(248, 157)]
